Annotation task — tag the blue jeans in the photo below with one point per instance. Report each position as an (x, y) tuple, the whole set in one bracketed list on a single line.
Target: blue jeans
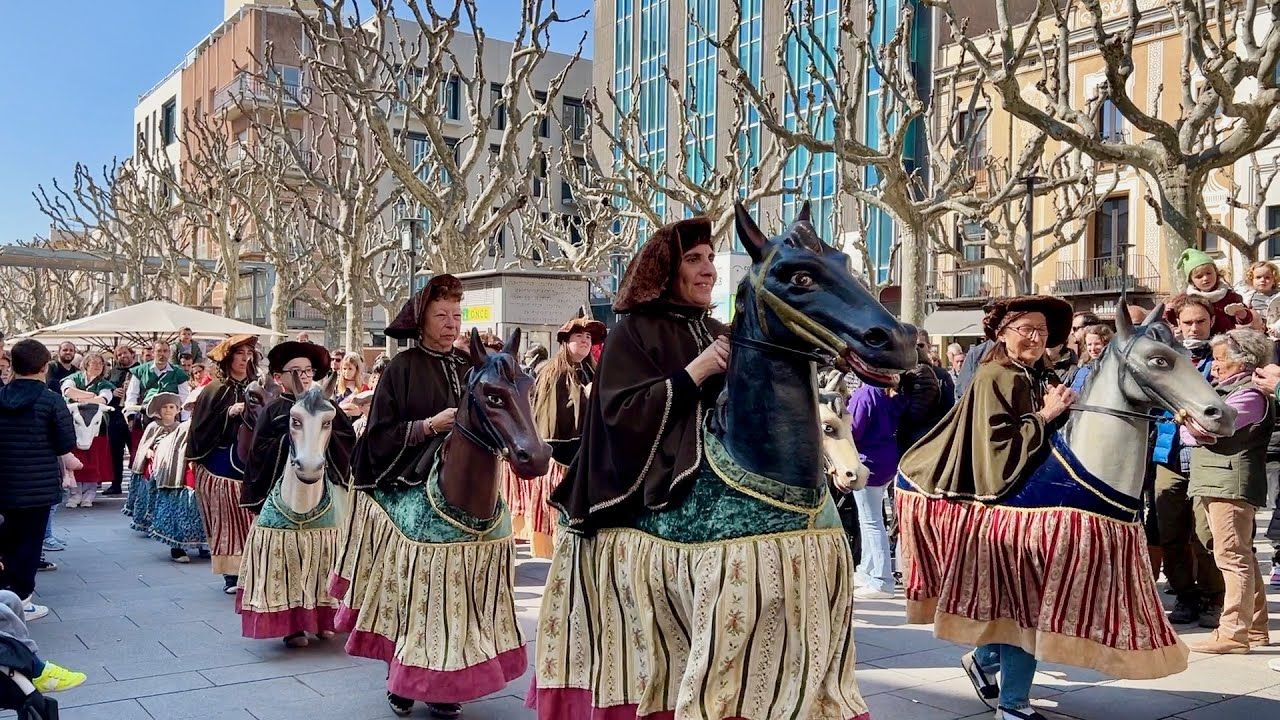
[(1017, 672), (48, 530), (876, 570)]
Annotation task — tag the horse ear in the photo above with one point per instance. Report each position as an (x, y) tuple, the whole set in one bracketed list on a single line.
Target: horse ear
[(1156, 314), (748, 232), (478, 353), (512, 345), (804, 215), (1124, 325)]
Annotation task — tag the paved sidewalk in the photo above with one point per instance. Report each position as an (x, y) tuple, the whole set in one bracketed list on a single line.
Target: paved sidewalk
[(161, 642)]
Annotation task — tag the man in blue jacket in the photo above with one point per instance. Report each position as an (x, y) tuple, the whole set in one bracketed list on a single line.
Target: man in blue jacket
[(35, 430)]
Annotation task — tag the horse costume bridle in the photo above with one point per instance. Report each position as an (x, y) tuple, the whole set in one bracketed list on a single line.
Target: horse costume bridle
[(487, 437), (1127, 368), (798, 323)]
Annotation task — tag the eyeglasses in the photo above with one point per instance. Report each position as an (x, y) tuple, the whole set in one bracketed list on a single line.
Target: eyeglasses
[(1030, 332), (306, 372)]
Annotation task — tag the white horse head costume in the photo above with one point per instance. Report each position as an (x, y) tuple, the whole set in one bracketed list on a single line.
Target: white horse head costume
[(310, 426), (88, 419), (840, 454)]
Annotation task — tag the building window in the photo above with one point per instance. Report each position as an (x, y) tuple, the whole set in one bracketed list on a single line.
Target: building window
[(455, 152), (973, 124), (1110, 122), (540, 180), (451, 98), (566, 192), (1210, 242), (1110, 231), (497, 107), (415, 151), (544, 127), (575, 118), (1273, 223), (169, 122), (498, 244), (700, 88), (494, 151), (141, 138)]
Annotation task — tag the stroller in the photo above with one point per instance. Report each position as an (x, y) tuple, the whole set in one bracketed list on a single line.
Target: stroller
[(17, 692)]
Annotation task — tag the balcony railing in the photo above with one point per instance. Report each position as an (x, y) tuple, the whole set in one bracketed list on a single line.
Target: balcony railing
[(239, 152), (1107, 275), (301, 311), (969, 284), (248, 91)]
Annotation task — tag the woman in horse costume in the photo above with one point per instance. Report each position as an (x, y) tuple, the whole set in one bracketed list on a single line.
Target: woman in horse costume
[(301, 448), (215, 423), (426, 566), (1022, 537), (559, 400), (705, 572)]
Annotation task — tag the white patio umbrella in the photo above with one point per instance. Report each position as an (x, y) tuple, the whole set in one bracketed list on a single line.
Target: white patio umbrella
[(150, 320)]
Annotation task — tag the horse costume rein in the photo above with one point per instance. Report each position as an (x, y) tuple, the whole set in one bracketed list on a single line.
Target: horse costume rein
[(803, 326), (492, 443), (1179, 416)]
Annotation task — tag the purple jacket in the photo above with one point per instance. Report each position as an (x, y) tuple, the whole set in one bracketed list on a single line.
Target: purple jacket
[(875, 418)]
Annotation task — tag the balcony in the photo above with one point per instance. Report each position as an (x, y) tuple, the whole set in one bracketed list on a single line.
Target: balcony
[(242, 153), (1104, 276), (247, 92), (301, 314), (968, 284)]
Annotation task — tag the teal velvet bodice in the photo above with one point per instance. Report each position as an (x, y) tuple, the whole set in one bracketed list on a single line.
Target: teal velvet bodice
[(423, 515), (277, 516)]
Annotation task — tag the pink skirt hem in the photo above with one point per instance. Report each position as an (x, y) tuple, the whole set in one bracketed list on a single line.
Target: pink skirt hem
[(556, 703), (282, 623)]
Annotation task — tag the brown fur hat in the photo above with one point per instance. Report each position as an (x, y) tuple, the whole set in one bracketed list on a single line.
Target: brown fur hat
[(649, 275), (1057, 313)]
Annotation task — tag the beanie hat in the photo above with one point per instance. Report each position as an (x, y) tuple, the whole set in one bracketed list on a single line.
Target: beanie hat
[(1191, 259)]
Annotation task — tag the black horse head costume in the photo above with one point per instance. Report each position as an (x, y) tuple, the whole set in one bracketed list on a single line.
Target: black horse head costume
[(801, 297), (495, 413)]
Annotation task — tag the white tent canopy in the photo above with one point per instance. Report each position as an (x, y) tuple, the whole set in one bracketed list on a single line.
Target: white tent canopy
[(153, 319)]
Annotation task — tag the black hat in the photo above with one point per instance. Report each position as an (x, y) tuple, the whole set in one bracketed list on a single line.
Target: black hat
[(288, 350), (407, 324)]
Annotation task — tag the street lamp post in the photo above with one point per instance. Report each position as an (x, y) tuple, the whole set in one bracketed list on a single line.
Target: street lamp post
[(409, 244), (1028, 252)]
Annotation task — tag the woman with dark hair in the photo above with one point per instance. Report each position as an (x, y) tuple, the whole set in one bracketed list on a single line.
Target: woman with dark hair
[(215, 421), (997, 435), (559, 402)]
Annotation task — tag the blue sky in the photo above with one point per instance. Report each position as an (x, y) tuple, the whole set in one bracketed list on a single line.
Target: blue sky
[(71, 72)]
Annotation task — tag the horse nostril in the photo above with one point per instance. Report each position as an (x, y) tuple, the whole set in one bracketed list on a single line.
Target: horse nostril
[(876, 337), (848, 474), (522, 455), (1212, 413)]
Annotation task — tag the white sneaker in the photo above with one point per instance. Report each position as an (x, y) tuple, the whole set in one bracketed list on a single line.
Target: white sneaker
[(86, 503), (71, 503), (866, 593), (1275, 575), (1023, 714), (32, 611)]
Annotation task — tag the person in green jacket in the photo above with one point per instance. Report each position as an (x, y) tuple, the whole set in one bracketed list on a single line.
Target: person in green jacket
[(153, 377)]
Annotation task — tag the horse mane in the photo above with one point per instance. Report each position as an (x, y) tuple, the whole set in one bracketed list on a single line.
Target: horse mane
[(313, 402)]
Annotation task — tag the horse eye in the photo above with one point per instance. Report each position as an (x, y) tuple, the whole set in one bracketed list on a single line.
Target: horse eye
[(327, 424), (1159, 362), (494, 400), (802, 279), (295, 422), (826, 428)]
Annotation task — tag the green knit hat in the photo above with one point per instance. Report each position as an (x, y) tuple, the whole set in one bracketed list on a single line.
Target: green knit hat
[(1191, 259)]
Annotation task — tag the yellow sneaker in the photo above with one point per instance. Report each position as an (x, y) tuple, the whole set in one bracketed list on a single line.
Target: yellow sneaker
[(56, 678)]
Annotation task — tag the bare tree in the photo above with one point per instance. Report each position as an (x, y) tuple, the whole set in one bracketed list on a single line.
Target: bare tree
[(405, 78), (1252, 206), (37, 297), (1215, 122)]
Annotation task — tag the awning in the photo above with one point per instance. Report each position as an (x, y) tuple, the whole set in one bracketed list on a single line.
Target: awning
[(153, 319), (954, 323)]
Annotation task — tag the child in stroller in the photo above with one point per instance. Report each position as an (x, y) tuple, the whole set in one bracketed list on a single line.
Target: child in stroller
[(23, 675)]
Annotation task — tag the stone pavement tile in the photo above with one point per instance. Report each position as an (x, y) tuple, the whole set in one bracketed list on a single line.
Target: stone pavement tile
[(111, 634), (1214, 679), (1247, 707), (955, 695), (99, 609), (368, 705), (875, 680), (360, 678), (905, 639), (126, 689), (1102, 700), (868, 653), (931, 665), (214, 658), (121, 710), (889, 705), (498, 708), (254, 696), (278, 665)]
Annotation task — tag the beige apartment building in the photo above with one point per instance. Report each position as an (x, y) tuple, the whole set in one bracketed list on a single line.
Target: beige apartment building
[(1121, 243)]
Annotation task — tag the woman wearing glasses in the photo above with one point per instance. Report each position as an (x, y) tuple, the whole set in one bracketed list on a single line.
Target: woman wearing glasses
[(215, 420), (996, 435)]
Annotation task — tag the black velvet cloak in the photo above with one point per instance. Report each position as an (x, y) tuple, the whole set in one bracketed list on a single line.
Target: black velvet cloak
[(642, 436), (418, 384), (270, 451), (211, 426)]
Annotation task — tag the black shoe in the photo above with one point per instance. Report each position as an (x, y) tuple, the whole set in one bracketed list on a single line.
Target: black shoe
[(985, 685), (1023, 714), (1184, 613), (113, 490), (1210, 617), (45, 566), (229, 584), (445, 710), (401, 706)]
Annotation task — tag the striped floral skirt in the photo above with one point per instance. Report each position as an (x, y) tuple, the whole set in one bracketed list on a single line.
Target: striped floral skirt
[(1059, 569), (226, 524), (178, 522), (284, 576), (141, 503), (431, 592), (532, 518)]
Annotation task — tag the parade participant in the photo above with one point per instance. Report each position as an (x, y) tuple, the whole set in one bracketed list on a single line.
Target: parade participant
[(141, 503), (994, 504), (153, 377), (403, 623), (1204, 280), (215, 422), (177, 521), (184, 345), (559, 402), (1229, 483), (119, 436), (301, 447), (90, 386), (62, 367)]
